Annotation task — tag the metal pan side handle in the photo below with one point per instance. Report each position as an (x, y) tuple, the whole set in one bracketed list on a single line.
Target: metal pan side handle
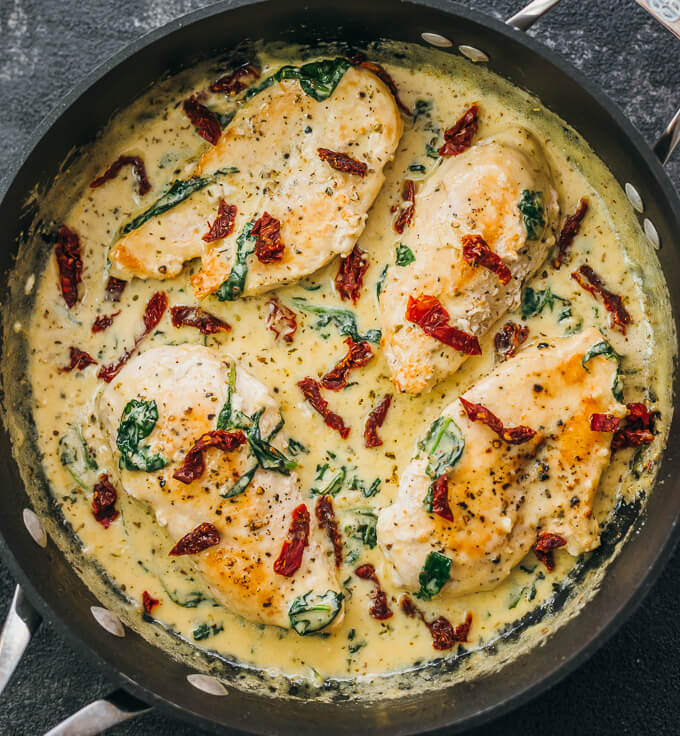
[(21, 623), (525, 18), (669, 140)]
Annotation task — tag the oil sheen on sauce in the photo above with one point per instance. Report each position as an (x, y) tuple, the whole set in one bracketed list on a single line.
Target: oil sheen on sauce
[(132, 551)]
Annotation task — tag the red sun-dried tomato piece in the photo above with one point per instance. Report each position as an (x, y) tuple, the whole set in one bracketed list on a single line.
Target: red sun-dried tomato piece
[(138, 171), (193, 465), (232, 84), (281, 320), (428, 313), (268, 245), (511, 435), (78, 360), (104, 321), (206, 323), (508, 339), (543, 549), (587, 279), (342, 162), (636, 428), (205, 121), (477, 252), (458, 137), (104, 502), (290, 559), (380, 608), (405, 216), (154, 311), (569, 231), (440, 497), (376, 419), (69, 263), (444, 634), (383, 75), (604, 422), (149, 602), (223, 224), (114, 289), (326, 516), (312, 392), (350, 276), (203, 536), (358, 355)]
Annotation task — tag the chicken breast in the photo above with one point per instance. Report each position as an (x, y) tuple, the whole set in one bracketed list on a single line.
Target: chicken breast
[(502, 495), (190, 385), (475, 193), (274, 141)]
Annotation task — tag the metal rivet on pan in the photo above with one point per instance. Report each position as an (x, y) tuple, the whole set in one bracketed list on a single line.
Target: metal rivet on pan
[(651, 233), (108, 620), (435, 39), (35, 527), (470, 52), (634, 197), (207, 684)]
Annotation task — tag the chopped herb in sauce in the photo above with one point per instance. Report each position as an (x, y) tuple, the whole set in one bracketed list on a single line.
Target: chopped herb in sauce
[(434, 575), (138, 420), (313, 611), (344, 319), (318, 79), (235, 283), (404, 255), (531, 207)]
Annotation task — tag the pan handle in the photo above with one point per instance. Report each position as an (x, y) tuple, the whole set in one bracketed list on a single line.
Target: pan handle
[(96, 717), (669, 139), (528, 15), (21, 623)]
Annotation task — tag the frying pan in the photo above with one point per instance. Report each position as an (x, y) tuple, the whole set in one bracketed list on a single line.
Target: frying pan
[(49, 586)]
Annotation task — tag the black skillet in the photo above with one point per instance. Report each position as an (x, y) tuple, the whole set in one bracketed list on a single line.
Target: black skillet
[(50, 588)]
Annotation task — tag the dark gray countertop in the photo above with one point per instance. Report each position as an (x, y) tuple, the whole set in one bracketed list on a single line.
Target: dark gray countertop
[(631, 685)]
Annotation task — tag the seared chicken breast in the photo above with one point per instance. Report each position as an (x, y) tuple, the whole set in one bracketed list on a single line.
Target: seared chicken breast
[(500, 189), (274, 141), (503, 495), (189, 388)]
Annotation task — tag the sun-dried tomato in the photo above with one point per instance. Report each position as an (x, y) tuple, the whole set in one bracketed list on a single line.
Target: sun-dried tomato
[(326, 516), (604, 422), (104, 502), (193, 465), (290, 559), (508, 339), (359, 60), (428, 313), (440, 497), (458, 137), (206, 323), (223, 224), (153, 313), (511, 435), (444, 634), (232, 84), (342, 162), (380, 608), (203, 536), (78, 360), (281, 320), (636, 428), (350, 276), (569, 231), (149, 602), (587, 279), (205, 121), (405, 216), (138, 171), (477, 252), (358, 355), (268, 245), (543, 549), (114, 289), (69, 263), (104, 321), (376, 419), (312, 392)]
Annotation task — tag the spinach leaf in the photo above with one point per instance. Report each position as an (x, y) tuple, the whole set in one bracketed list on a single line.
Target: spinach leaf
[(381, 282), (193, 600), (75, 455), (318, 79), (267, 456), (242, 483), (178, 191), (605, 349), (295, 447), (312, 611), (434, 575), (431, 149), (138, 420), (358, 485), (444, 444), (531, 207), (534, 302), (359, 533), (203, 631), (422, 107), (224, 417), (343, 319), (331, 481), (404, 255), (418, 168), (232, 288)]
